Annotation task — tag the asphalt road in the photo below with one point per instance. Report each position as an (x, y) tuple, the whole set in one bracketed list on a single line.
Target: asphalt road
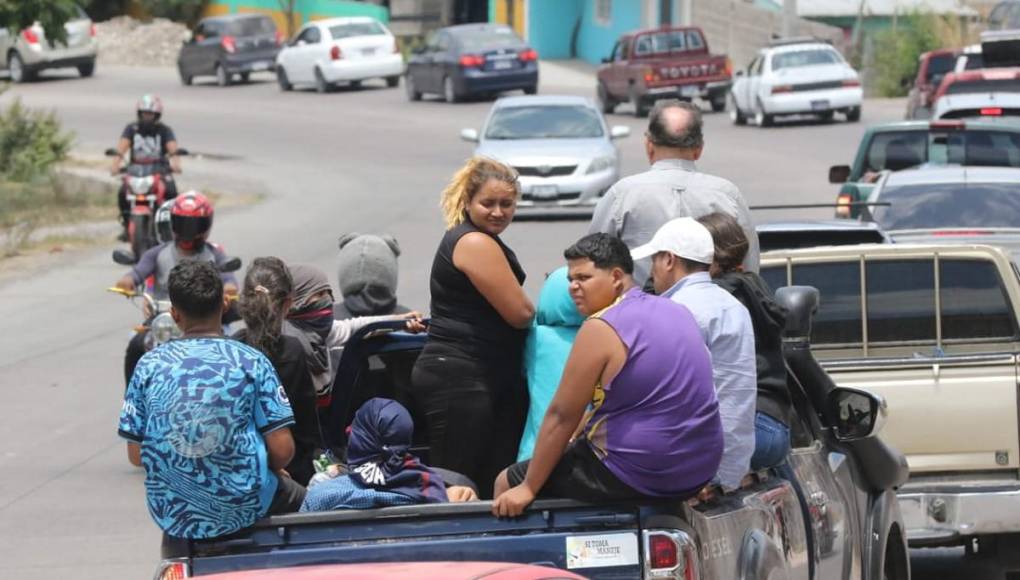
[(355, 161)]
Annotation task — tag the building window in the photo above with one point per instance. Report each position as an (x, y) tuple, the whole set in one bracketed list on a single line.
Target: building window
[(603, 12)]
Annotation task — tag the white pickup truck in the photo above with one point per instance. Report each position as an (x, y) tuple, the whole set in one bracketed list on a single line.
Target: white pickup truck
[(933, 328)]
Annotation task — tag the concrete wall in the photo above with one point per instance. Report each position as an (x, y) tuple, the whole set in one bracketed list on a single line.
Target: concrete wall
[(739, 29), (304, 10)]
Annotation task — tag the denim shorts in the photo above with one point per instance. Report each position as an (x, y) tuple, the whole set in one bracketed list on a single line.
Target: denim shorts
[(771, 442)]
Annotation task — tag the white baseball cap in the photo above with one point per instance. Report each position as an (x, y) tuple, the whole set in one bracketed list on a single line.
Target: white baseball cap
[(683, 237)]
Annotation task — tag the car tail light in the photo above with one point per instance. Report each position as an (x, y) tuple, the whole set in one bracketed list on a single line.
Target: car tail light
[(662, 551), (92, 30), (30, 36), (780, 89), (843, 202), (729, 67), (472, 61), (991, 112), (335, 53), (173, 570), (852, 83), (670, 554), (229, 44), (650, 76), (529, 55), (279, 38)]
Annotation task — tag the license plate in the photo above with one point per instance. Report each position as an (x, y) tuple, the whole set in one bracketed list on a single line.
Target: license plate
[(602, 551), (368, 52), (260, 66), (690, 91), (545, 191), (502, 64), (820, 105)]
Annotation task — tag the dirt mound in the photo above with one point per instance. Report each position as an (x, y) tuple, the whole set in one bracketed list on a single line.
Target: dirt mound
[(126, 41)]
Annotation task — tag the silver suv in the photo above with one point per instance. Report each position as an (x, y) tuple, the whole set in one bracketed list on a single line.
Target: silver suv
[(27, 52)]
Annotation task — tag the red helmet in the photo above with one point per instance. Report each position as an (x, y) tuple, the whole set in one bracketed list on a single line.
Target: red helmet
[(191, 219)]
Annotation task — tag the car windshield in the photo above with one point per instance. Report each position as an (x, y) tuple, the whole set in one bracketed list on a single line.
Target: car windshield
[(668, 42), (939, 65), (949, 205), (487, 39), (1010, 85), (544, 122), (356, 29), (250, 27), (804, 58), (898, 150)]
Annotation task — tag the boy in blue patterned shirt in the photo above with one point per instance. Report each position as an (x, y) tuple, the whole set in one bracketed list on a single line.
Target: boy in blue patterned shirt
[(209, 421)]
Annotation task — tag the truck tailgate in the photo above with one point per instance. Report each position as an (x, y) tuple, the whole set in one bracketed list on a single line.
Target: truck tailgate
[(965, 407), (669, 72), (593, 541)]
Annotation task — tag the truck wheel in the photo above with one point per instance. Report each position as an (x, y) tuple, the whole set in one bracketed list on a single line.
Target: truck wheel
[(606, 103), (718, 103), (245, 76), (736, 115), (393, 81), (639, 104)]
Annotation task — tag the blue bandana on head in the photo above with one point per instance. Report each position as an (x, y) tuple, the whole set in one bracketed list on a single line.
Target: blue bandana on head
[(377, 451)]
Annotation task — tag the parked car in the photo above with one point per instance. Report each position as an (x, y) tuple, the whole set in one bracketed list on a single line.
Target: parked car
[(932, 67), (406, 570), (934, 328), (29, 51), (952, 198), (660, 63), (463, 61), (830, 512), (897, 146), (991, 106), (229, 46), (340, 50), (796, 77), (560, 146)]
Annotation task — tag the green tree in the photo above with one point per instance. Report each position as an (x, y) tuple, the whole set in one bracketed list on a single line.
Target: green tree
[(186, 11), (50, 14), (897, 49)]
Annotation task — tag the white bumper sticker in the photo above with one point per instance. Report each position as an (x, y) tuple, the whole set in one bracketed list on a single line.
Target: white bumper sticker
[(602, 550)]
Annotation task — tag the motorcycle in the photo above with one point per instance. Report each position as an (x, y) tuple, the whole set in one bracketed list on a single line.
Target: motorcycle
[(158, 326), (144, 187)]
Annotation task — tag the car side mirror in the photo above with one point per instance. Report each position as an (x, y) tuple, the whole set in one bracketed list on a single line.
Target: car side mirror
[(469, 135), (839, 173), (124, 258), (231, 265), (619, 132), (857, 414)]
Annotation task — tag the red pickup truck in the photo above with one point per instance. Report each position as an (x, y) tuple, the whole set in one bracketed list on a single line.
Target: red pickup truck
[(659, 63)]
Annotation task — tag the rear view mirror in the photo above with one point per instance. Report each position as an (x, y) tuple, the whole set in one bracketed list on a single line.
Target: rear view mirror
[(231, 265), (856, 414), (839, 173), (124, 258), (619, 132), (469, 135)]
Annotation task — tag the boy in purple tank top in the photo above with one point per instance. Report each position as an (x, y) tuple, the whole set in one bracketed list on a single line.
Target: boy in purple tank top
[(640, 362)]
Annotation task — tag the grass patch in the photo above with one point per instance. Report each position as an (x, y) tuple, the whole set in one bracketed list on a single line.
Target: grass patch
[(54, 201)]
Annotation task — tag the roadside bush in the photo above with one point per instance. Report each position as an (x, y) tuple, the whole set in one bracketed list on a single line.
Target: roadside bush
[(30, 142), (896, 50)]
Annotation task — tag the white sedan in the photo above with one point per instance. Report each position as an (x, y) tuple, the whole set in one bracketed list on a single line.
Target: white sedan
[(795, 78), (339, 50)]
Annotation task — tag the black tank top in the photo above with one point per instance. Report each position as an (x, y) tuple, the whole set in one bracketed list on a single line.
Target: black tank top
[(461, 317)]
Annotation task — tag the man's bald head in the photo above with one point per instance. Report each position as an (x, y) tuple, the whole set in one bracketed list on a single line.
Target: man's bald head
[(675, 124)]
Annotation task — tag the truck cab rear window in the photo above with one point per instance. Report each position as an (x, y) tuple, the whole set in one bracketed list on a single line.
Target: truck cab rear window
[(901, 301), (974, 303), (839, 312)]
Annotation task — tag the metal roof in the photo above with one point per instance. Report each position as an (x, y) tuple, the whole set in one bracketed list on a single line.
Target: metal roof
[(836, 8)]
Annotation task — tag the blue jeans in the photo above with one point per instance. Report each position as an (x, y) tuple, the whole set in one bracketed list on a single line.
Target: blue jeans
[(771, 442)]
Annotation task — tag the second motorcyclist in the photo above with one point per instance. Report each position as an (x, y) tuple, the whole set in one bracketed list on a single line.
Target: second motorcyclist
[(191, 218), (148, 141)]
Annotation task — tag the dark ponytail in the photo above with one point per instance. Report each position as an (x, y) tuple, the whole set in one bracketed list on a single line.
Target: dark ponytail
[(267, 286)]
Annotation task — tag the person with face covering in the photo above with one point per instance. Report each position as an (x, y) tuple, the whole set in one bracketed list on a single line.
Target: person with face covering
[(546, 351), (381, 470), (310, 320), (367, 276), (469, 379)]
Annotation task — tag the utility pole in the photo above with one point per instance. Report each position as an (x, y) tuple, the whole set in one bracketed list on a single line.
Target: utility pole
[(789, 17)]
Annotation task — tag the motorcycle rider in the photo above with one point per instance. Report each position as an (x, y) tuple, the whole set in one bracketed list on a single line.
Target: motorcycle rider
[(191, 217), (149, 141)]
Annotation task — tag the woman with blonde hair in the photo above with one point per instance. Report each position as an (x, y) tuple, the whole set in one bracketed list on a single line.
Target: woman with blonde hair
[(469, 379)]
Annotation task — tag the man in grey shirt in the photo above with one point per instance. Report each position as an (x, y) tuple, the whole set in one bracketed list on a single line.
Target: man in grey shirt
[(637, 206)]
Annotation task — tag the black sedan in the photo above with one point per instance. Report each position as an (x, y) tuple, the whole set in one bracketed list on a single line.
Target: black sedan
[(472, 59)]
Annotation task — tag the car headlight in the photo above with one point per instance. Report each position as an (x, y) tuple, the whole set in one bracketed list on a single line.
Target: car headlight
[(601, 164), (141, 185), (163, 329)]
